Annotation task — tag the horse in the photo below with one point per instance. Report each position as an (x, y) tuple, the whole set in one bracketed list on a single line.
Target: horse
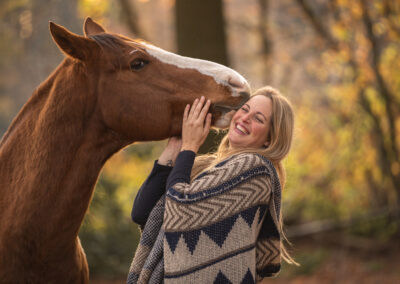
[(108, 92)]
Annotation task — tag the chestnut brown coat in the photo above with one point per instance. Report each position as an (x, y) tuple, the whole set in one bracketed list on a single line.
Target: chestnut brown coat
[(108, 92)]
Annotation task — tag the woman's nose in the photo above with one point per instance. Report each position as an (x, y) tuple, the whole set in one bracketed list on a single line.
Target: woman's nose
[(246, 117)]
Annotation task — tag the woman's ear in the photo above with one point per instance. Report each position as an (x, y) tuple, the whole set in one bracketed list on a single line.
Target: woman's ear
[(266, 144)]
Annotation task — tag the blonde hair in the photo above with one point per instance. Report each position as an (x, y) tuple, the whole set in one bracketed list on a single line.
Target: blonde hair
[(280, 141)]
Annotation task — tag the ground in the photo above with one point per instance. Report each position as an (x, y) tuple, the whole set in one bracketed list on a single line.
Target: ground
[(336, 259), (330, 263)]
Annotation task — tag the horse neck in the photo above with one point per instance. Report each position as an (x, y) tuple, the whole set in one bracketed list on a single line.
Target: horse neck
[(51, 157)]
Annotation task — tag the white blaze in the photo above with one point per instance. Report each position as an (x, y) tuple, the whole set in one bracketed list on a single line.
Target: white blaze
[(220, 73)]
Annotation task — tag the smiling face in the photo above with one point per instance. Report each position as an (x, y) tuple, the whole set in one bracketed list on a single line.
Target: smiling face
[(250, 126)]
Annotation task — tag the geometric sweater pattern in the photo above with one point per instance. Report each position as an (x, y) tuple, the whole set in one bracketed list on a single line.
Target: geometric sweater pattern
[(223, 227)]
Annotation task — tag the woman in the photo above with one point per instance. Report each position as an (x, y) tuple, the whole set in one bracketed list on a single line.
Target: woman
[(216, 218)]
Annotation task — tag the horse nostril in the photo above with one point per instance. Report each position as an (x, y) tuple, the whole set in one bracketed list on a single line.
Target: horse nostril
[(244, 98), (244, 95)]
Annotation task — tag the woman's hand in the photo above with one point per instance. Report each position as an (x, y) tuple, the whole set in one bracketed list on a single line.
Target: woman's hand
[(196, 124), (171, 151)]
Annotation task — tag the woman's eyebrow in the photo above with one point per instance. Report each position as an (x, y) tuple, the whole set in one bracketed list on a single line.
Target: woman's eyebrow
[(258, 112), (262, 115)]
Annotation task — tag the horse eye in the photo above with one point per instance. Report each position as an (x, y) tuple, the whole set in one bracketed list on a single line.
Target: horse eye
[(138, 64)]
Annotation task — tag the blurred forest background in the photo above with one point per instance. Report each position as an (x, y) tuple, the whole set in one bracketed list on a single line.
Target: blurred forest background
[(337, 60)]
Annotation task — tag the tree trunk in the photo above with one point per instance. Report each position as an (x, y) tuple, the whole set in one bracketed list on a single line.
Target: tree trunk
[(129, 16), (200, 30)]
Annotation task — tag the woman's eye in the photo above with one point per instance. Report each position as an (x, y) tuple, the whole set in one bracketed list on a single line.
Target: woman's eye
[(258, 118), (138, 64), (244, 109)]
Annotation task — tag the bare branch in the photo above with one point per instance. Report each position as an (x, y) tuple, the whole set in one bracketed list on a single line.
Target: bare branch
[(385, 158), (389, 14), (318, 25), (329, 225), (388, 97), (263, 28)]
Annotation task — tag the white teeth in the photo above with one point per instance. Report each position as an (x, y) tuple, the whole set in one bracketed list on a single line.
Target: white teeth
[(240, 128)]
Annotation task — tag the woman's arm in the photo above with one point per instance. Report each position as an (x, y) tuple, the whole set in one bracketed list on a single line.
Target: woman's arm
[(195, 128), (154, 186), (182, 169), (149, 193)]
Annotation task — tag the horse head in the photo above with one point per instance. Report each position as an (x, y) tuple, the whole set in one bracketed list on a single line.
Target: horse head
[(141, 90)]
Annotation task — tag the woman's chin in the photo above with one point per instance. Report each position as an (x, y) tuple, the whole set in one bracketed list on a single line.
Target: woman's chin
[(234, 142)]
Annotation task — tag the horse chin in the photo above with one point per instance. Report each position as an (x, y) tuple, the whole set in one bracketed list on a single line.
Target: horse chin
[(222, 114), (222, 117)]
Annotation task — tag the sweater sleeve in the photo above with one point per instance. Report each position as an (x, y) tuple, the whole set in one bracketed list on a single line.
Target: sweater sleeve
[(149, 193), (183, 168)]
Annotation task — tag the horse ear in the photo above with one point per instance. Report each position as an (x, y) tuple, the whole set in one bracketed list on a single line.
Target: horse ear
[(76, 46), (90, 27)]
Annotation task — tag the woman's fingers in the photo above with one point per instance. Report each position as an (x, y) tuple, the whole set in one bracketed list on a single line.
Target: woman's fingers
[(207, 124), (186, 113), (196, 124), (192, 108), (196, 114), (204, 110), (198, 107)]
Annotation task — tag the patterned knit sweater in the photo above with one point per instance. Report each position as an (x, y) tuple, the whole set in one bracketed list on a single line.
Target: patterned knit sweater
[(221, 228)]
